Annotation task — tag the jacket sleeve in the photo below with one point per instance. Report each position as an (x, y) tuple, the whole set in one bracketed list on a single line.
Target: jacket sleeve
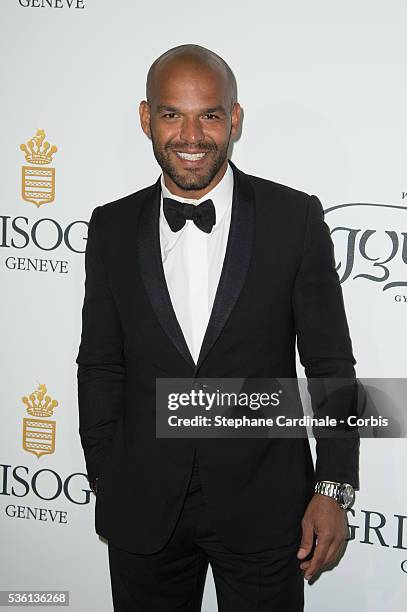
[(101, 368), (325, 350)]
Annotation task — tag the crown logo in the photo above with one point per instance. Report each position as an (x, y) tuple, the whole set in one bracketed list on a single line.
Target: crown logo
[(37, 151), (40, 404), (38, 180)]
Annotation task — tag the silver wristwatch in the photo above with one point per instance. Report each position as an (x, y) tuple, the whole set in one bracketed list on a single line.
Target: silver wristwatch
[(342, 492)]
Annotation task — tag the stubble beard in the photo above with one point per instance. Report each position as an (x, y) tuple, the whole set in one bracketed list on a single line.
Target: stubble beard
[(192, 179)]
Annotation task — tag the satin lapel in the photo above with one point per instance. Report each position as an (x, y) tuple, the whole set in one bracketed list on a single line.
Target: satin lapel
[(152, 272), (236, 262)]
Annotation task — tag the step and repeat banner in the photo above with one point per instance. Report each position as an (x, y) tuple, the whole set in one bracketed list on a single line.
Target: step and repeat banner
[(324, 96)]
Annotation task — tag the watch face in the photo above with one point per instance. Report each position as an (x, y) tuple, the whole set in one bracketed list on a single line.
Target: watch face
[(348, 494)]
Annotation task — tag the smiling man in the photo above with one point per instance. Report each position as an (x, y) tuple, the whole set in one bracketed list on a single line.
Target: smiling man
[(202, 294), (190, 142)]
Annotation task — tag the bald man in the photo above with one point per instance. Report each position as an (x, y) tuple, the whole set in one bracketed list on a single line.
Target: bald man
[(209, 273)]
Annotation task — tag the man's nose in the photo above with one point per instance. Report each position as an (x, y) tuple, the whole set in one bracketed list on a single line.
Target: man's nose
[(191, 130)]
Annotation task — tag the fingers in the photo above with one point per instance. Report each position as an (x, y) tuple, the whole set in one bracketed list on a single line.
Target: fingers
[(327, 551), (318, 558), (307, 539)]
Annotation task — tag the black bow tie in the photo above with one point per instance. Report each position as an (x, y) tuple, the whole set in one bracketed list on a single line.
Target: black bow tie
[(176, 213)]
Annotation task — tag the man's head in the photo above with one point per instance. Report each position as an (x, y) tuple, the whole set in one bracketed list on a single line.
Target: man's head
[(190, 114)]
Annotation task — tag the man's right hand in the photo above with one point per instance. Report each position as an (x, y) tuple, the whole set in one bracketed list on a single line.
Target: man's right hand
[(93, 484)]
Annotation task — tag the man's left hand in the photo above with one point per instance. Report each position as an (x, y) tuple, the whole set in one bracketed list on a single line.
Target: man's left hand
[(324, 517)]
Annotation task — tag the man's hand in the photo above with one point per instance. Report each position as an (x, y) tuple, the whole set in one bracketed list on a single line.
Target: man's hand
[(324, 517), (93, 485)]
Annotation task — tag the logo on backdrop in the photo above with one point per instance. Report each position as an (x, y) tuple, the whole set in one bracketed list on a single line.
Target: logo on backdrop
[(376, 252), (379, 530), (39, 234), (39, 433), (53, 4), (38, 181), (21, 486)]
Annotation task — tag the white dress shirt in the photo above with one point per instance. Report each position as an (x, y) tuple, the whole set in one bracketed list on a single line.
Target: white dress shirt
[(193, 260)]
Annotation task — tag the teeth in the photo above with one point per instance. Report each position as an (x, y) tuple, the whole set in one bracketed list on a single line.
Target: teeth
[(191, 156)]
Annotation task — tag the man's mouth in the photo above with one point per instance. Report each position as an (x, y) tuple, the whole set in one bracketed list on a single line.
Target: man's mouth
[(191, 156)]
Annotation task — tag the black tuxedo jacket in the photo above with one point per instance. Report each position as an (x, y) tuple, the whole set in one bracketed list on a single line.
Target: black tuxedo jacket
[(278, 285)]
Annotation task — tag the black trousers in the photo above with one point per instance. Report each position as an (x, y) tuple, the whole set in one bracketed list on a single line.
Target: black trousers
[(173, 579)]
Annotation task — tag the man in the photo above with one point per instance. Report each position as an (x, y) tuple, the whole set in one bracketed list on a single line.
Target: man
[(209, 272)]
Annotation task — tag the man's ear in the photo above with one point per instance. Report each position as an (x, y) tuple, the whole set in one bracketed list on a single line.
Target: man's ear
[(236, 118), (144, 112)]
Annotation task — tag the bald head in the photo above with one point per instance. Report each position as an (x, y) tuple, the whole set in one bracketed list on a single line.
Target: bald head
[(190, 114), (186, 57)]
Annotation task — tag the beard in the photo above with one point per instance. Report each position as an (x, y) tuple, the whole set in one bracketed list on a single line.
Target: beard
[(191, 179)]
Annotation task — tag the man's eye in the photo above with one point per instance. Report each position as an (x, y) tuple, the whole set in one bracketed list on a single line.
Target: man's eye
[(170, 115), (210, 116)]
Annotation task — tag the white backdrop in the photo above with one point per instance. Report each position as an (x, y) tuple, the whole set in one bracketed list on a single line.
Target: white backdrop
[(324, 96)]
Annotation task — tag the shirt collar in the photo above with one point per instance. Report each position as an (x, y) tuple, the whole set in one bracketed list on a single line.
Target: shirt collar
[(221, 194)]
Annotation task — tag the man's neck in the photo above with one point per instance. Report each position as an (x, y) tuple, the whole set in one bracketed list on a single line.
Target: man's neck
[(195, 194)]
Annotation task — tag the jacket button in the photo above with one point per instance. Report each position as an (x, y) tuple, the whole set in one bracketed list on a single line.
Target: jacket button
[(198, 386)]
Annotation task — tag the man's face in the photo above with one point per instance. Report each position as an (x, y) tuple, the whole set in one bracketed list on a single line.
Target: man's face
[(190, 121)]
